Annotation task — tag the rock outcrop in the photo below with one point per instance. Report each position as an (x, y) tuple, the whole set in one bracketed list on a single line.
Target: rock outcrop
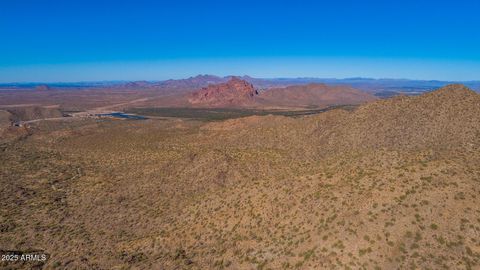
[(235, 92)]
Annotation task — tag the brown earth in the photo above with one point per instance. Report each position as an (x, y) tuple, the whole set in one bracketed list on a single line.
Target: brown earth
[(391, 185), (29, 112), (5, 117), (82, 99), (318, 95), (234, 93)]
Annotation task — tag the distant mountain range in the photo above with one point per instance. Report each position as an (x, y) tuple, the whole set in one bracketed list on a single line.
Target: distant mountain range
[(380, 87)]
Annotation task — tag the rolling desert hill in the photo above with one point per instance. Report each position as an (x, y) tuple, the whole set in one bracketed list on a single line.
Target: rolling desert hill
[(314, 95), (32, 112), (446, 117), (5, 118), (393, 184)]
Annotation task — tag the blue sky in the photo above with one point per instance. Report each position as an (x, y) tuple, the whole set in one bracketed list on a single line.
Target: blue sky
[(153, 40)]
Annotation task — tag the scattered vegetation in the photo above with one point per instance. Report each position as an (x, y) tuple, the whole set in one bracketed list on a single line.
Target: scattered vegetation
[(383, 187)]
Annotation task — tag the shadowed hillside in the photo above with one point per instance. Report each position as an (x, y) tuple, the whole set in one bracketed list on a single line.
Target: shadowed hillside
[(5, 118), (29, 112)]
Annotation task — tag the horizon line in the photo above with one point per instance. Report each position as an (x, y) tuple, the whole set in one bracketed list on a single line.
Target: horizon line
[(245, 75)]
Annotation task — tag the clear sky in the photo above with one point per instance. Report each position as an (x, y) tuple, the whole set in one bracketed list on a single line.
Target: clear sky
[(133, 40)]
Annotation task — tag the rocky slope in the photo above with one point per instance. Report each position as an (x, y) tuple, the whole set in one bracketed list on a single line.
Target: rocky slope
[(25, 113), (5, 117), (448, 117), (235, 92)]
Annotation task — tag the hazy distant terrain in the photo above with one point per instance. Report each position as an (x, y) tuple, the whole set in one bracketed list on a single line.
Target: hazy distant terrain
[(120, 96), (37, 101), (373, 85), (388, 184)]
